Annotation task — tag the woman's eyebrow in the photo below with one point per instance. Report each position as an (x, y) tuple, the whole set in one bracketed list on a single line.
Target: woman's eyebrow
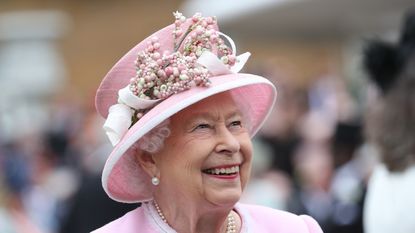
[(205, 115), (200, 116), (232, 113)]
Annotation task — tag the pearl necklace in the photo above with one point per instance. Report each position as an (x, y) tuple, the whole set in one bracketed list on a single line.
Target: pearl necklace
[(230, 227)]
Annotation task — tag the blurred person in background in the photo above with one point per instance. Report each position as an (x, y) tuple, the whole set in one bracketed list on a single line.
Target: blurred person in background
[(348, 183), (329, 182), (313, 171), (280, 131), (49, 179), (390, 125), (89, 207), (14, 181), (267, 186), (32, 196)]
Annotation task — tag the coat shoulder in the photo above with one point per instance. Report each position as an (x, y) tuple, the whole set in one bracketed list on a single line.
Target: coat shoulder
[(271, 220)]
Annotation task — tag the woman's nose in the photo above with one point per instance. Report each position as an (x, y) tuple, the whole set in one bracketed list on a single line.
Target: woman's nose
[(227, 142)]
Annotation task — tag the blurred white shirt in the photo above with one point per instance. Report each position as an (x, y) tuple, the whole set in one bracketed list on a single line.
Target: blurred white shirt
[(390, 201)]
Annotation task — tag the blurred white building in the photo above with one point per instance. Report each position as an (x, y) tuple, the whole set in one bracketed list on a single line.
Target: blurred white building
[(31, 69)]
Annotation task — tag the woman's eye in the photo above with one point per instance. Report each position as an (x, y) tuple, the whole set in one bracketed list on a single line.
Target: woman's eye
[(202, 126), (236, 123)]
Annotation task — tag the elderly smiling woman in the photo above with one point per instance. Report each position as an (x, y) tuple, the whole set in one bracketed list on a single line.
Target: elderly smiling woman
[(181, 118)]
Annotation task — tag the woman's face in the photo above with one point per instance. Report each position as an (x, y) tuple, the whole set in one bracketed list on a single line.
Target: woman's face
[(208, 155)]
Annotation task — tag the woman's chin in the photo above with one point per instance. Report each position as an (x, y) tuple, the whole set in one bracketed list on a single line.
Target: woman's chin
[(224, 198)]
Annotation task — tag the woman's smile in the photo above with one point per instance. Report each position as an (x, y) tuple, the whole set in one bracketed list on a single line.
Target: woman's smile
[(227, 172)]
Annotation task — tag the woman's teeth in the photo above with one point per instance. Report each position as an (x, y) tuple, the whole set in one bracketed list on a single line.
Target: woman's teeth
[(223, 171)]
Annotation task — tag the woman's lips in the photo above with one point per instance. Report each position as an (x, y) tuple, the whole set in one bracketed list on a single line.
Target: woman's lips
[(223, 172)]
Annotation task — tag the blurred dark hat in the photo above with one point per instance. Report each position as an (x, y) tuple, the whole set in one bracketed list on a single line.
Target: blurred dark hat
[(384, 61)]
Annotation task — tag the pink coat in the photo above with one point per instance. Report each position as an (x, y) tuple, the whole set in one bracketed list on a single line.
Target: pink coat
[(255, 219)]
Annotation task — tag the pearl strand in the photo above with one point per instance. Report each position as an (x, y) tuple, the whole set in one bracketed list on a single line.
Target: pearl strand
[(230, 226), (159, 212)]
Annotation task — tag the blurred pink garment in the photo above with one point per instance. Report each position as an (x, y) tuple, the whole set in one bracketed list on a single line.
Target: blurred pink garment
[(254, 219)]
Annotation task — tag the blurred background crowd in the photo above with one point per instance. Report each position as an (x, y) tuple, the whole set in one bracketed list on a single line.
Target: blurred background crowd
[(312, 156)]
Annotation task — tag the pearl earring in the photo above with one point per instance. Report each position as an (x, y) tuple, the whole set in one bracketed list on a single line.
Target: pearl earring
[(155, 181)]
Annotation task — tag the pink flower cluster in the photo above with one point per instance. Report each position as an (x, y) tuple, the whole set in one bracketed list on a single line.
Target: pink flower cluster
[(161, 74)]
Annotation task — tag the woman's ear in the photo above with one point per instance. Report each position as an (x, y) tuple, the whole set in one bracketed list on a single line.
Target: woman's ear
[(147, 162)]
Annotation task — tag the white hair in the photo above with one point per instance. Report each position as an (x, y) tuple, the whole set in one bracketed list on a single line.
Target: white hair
[(153, 141)]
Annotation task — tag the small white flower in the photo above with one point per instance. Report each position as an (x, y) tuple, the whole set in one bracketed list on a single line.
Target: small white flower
[(177, 15)]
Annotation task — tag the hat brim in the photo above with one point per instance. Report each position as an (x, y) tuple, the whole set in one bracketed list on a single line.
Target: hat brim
[(125, 181)]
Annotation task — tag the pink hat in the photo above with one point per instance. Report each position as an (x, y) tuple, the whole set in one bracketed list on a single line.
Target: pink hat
[(167, 72)]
